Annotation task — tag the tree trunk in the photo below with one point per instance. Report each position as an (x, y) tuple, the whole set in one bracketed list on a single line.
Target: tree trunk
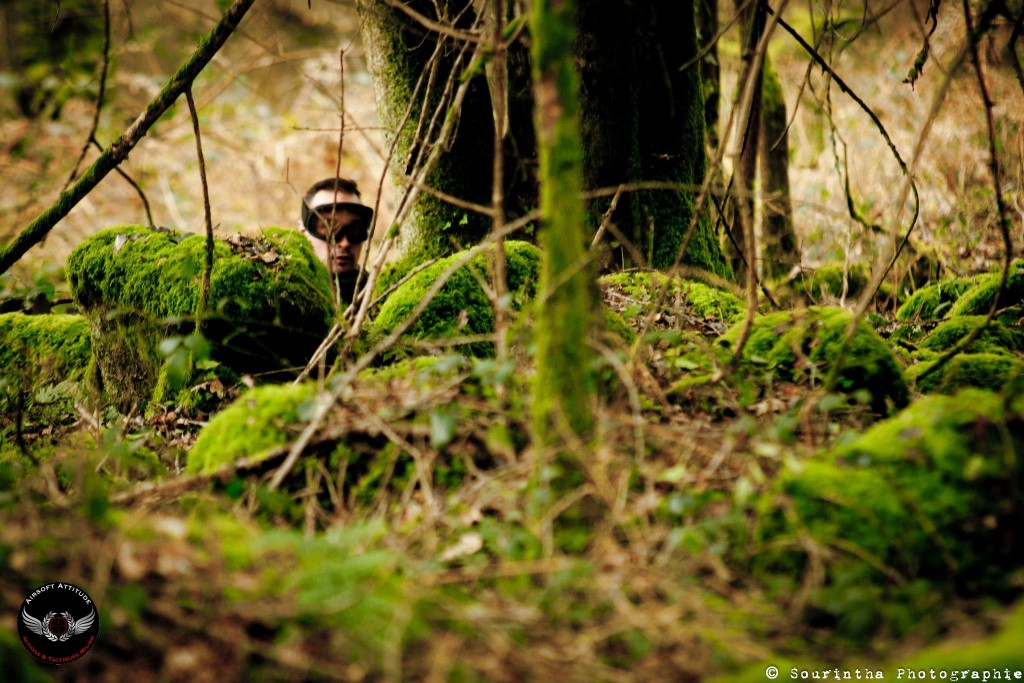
[(643, 120), (781, 249), (567, 295), (399, 50), (707, 29)]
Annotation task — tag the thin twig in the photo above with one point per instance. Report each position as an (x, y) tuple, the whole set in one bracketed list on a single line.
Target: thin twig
[(135, 186), (498, 87), (204, 289), (99, 96)]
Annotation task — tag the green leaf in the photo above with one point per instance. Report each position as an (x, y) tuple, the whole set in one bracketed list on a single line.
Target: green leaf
[(443, 422)]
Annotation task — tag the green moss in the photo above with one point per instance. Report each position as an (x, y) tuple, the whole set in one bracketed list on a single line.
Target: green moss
[(995, 338), (43, 348), (982, 370), (803, 346), (699, 299), (269, 305), (825, 283), (978, 299), (922, 504), (461, 307), (38, 352), (998, 652), (933, 301), (616, 325), (262, 419)]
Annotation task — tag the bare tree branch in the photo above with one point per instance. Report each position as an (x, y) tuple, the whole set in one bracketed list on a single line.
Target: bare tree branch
[(119, 150)]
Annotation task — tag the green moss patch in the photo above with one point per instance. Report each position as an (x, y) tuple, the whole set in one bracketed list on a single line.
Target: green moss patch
[(686, 303), (43, 348), (269, 304), (803, 346), (259, 421), (994, 338), (981, 370), (461, 307), (978, 299), (929, 495), (933, 301), (38, 352)]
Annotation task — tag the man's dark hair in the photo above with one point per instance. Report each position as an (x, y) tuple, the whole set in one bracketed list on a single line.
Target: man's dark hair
[(332, 183)]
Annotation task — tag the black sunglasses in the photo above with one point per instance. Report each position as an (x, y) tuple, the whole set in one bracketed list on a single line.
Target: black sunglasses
[(320, 222)]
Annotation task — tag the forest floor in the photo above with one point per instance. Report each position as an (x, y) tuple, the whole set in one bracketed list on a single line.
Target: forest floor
[(459, 555)]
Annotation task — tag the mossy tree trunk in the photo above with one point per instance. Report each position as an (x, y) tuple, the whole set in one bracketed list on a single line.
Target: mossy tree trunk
[(567, 293), (781, 248), (399, 50), (643, 120)]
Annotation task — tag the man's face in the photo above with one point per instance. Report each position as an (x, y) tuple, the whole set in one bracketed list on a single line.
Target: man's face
[(339, 254)]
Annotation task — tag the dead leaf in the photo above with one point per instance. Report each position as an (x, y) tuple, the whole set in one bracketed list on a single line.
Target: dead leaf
[(269, 256), (468, 543)]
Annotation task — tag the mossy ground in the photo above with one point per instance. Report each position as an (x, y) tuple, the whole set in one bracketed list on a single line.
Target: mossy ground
[(259, 421), (269, 304), (933, 300), (805, 346), (994, 338), (924, 498), (641, 291), (43, 348)]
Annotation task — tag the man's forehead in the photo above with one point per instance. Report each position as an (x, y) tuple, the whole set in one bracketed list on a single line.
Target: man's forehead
[(327, 197)]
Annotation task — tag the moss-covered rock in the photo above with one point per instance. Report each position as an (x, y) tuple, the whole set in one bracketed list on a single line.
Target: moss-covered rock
[(929, 495), (44, 348), (994, 338), (259, 421), (978, 299), (461, 307), (269, 304), (689, 297), (934, 300), (37, 351), (981, 370), (805, 345)]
